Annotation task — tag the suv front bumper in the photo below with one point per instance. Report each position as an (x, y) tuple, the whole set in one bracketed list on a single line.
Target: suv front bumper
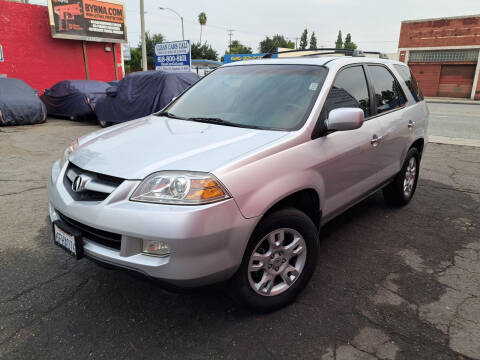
[(206, 242)]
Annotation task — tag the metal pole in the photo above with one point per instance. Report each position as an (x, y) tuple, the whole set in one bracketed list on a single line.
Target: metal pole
[(85, 59), (230, 32), (475, 78), (115, 60), (176, 13), (183, 35), (144, 45)]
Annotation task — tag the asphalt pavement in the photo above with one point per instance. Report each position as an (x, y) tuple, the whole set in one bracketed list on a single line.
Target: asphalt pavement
[(391, 283)]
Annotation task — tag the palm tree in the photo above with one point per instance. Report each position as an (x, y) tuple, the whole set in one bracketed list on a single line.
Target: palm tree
[(202, 19)]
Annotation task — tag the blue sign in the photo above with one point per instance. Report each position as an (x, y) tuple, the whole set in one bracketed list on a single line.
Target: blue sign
[(173, 56), (228, 58)]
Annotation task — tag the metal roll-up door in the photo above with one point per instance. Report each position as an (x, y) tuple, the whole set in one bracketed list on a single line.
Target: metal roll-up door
[(456, 81)]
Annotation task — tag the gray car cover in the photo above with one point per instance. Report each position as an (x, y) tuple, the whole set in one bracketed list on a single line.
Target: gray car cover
[(74, 98), (19, 104), (142, 93)]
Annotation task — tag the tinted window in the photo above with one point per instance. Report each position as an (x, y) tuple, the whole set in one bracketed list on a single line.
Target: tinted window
[(411, 82), (388, 95), (262, 96), (349, 90)]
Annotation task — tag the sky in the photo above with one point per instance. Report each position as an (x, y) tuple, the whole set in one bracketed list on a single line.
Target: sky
[(373, 24)]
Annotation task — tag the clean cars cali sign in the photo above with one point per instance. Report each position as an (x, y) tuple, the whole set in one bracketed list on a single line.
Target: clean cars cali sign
[(173, 56)]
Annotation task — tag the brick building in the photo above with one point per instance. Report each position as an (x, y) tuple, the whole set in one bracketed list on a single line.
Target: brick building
[(444, 55), (32, 55)]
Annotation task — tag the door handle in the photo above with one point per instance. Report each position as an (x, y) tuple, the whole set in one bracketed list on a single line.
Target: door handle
[(376, 140), (411, 124)]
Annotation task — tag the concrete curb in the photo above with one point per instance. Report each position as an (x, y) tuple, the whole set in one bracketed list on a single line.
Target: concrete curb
[(454, 141), (452, 101)]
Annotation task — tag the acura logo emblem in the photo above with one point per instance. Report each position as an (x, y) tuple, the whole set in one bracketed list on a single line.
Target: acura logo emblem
[(79, 183)]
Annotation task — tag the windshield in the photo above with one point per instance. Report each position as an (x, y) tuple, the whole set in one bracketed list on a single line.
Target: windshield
[(258, 96)]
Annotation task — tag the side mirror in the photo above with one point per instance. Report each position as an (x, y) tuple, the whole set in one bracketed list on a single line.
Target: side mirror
[(343, 119)]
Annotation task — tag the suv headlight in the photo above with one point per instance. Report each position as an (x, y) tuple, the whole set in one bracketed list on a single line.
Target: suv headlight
[(180, 187), (67, 152)]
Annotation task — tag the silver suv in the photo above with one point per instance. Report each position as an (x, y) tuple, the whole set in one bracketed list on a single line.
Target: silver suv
[(234, 178)]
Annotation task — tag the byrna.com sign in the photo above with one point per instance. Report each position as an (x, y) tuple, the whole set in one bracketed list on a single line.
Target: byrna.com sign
[(173, 56)]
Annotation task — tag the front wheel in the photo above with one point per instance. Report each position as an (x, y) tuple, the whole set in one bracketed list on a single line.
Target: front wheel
[(279, 260), (401, 190)]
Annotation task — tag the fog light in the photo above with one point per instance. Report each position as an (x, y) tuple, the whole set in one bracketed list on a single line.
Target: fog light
[(155, 247)]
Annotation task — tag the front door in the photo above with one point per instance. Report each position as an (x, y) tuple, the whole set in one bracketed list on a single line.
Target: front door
[(351, 163)]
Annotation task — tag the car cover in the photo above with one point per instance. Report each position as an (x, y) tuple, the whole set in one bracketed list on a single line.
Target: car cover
[(142, 93), (74, 98), (19, 103)]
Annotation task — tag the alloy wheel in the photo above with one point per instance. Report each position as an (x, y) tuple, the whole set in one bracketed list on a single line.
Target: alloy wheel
[(410, 175), (277, 261)]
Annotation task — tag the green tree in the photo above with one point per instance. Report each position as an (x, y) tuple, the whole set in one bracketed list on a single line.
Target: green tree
[(348, 43), (202, 19), (203, 51), (313, 41), (270, 45), (135, 63), (239, 48), (339, 42), (303, 40)]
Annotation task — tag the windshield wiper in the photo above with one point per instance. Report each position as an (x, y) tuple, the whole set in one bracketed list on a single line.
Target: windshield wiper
[(218, 121), (169, 115)]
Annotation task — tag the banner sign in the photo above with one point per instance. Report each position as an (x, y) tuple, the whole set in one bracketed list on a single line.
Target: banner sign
[(127, 54), (173, 56), (92, 20), (228, 58)]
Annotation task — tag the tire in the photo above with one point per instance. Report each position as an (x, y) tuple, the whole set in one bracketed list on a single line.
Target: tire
[(296, 226), (104, 124), (400, 191)]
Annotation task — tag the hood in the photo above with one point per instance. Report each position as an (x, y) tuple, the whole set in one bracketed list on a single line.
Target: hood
[(136, 149)]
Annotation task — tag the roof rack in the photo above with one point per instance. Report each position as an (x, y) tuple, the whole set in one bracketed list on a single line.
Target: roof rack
[(347, 52), (380, 54)]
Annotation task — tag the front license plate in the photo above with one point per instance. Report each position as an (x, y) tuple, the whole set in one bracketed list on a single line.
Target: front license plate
[(69, 242)]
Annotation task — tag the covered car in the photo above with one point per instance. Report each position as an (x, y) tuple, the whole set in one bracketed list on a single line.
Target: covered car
[(19, 103), (140, 94), (74, 99)]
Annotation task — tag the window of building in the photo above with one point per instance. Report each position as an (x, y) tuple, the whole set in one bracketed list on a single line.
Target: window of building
[(466, 55), (388, 95)]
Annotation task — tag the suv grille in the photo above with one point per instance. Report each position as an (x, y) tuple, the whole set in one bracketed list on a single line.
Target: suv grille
[(102, 237), (97, 187)]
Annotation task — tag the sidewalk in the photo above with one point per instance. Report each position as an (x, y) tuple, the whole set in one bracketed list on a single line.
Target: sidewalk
[(447, 100)]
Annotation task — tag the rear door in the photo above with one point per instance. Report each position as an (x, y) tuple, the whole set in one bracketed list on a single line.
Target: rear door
[(390, 105)]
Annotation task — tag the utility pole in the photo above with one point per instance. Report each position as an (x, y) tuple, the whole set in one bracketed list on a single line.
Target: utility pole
[(296, 39), (230, 33), (144, 45)]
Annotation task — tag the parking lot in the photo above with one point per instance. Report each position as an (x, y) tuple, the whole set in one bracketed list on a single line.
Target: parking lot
[(391, 283)]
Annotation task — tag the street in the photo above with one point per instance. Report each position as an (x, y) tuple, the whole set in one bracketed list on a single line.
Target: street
[(455, 121), (391, 283)]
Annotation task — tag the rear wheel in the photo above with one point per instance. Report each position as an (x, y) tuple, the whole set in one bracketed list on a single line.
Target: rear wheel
[(279, 260), (401, 190)]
